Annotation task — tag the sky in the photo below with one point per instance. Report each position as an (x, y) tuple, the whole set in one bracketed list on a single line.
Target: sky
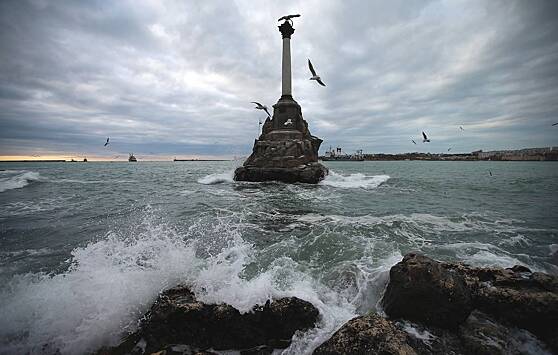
[(175, 78)]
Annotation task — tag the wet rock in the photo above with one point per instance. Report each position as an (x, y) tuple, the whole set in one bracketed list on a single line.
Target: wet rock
[(431, 340), (370, 334), (482, 335), (421, 290), (177, 317), (525, 299), (443, 294), (310, 173)]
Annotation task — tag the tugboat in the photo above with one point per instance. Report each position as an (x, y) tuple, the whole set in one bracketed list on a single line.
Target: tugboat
[(132, 158)]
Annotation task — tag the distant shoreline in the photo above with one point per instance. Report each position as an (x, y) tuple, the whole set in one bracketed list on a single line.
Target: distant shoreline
[(102, 161)]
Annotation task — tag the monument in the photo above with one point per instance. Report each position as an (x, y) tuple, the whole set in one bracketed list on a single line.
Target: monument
[(285, 150)]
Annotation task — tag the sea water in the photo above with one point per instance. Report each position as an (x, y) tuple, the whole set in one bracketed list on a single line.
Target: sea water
[(85, 248)]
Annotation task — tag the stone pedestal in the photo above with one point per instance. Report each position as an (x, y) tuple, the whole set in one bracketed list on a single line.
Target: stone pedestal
[(285, 151)]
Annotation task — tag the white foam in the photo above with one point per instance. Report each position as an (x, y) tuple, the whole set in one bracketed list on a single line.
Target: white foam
[(217, 178), (16, 179), (353, 181), (417, 333)]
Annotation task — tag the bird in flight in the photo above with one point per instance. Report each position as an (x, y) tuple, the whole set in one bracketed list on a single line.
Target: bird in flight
[(449, 149), (461, 128), (314, 75), (425, 138), (107, 142), (288, 122), (261, 107), (555, 124), (288, 17), (413, 141)]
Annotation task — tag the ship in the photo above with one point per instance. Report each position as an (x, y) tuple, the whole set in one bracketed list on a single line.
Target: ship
[(337, 154), (132, 158)]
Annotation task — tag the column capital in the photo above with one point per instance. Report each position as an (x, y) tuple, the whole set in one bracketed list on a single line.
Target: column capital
[(286, 29)]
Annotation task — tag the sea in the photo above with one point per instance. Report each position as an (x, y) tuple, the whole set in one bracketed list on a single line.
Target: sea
[(85, 248)]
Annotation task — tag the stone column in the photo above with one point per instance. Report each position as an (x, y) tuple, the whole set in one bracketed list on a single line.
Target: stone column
[(286, 31)]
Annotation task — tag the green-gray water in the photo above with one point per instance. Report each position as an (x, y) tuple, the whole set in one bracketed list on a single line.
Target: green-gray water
[(86, 247)]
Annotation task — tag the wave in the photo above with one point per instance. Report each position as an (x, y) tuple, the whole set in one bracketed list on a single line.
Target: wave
[(217, 178), (354, 181), (112, 282), (16, 179)]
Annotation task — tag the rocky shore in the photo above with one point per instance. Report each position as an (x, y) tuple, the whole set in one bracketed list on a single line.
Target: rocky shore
[(430, 307), (451, 308)]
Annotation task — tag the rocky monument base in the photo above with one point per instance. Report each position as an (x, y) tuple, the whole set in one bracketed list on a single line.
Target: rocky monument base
[(285, 151)]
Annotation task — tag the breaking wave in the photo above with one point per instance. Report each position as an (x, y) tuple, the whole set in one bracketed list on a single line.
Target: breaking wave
[(110, 283), (217, 178), (16, 179), (354, 181)]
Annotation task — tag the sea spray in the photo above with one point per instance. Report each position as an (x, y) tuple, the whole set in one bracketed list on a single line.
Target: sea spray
[(112, 282), (217, 178), (109, 284)]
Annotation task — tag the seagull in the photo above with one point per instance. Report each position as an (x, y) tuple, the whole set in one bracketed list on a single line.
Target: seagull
[(449, 149), (425, 138), (413, 141), (106, 142), (261, 107), (555, 124), (288, 122), (461, 128), (314, 75), (288, 18)]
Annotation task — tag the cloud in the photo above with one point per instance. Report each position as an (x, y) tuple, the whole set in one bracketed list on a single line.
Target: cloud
[(177, 77)]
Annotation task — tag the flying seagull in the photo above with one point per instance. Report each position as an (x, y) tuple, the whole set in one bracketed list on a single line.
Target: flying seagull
[(106, 142), (555, 124), (425, 138), (288, 17), (314, 75), (261, 107), (413, 141), (288, 122), (449, 149), (461, 128)]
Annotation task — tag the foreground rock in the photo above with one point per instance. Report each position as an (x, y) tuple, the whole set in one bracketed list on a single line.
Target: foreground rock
[(420, 289), (178, 318), (370, 334), (444, 294)]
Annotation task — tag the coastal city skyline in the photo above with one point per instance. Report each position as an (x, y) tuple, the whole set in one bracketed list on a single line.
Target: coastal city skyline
[(177, 80)]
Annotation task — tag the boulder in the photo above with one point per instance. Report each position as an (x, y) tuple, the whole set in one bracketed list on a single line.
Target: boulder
[(310, 173), (370, 334), (525, 299), (177, 317), (421, 290), (439, 294)]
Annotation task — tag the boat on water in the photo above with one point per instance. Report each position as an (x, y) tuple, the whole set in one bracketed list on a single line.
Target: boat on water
[(132, 158), (337, 154)]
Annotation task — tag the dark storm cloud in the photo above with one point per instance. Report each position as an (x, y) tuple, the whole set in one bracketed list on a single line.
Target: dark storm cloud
[(177, 77)]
